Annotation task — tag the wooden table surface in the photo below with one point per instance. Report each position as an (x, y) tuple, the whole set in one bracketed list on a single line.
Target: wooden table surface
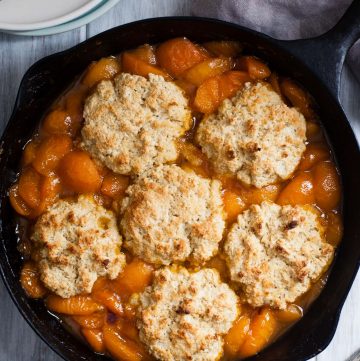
[(17, 340)]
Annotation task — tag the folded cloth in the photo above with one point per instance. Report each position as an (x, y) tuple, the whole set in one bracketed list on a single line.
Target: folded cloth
[(282, 19)]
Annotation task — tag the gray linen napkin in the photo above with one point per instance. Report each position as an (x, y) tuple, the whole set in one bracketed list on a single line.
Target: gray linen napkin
[(282, 19)]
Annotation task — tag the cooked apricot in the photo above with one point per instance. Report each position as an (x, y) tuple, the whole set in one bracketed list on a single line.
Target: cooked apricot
[(74, 104), (49, 153), (135, 277), (17, 202), (57, 122), (233, 205), (95, 339), (262, 328), (255, 195), (300, 190), (236, 336), (313, 130), (213, 91), (334, 229), (275, 83), (227, 48), (313, 154), (145, 53), (114, 185), (188, 88), (132, 64), (207, 69), (193, 159), (178, 55), (291, 314), (93, 321), (326, 186), (78, 172), (298, 97), (76, 305), (254, 66), (109, 298), (29, 153), (49, 192), (30, 281), (29, 187), (105, 68), (119, 348), (129, 330)]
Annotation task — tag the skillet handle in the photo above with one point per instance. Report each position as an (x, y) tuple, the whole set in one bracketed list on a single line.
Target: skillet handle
[(325, 54)]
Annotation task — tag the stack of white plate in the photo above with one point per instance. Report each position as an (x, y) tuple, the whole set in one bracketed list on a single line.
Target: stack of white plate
[(44, 17)]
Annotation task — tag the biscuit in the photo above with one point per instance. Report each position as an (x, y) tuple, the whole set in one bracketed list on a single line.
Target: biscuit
[(275, 253), (77, 242), (254, 136)]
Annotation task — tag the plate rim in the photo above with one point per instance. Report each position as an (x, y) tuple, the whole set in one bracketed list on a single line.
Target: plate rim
[(78, 12)]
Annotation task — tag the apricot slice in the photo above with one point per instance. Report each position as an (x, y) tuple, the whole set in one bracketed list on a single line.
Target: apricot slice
[(135, 277), (236, 336), (114, 185), (227, 48), (207, 69), (95, 339), (76, 305), (334, 230), (195, 160), (213, 91), (290, 315), (119, 348), (145, 53), (132, 64), (254, 66), (105, 68), (327, 186), (49, 191), (300, 190), (219, 264), (79, 172), (57, 122), (178, 55), (17, 202), (49, 153), (255, 195), (29, 187), (110, 299), (275, 83), (74, 104), (298, 97), (233, 205), (312, 130), (93, 321), (29, 153), (129, 330), (30, 281), (188, 88), (313, 154), (262, 328)]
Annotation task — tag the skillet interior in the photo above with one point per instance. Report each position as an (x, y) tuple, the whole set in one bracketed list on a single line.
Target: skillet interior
[(49, 77)]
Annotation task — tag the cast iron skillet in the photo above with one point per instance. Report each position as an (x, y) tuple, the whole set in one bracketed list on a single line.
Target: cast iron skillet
[(316, 63)]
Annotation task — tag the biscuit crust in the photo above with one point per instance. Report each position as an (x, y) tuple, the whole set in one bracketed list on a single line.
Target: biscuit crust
[(275, 253), (77, 242), (254, 136), (184, 315), (170, 215), (132, 123)]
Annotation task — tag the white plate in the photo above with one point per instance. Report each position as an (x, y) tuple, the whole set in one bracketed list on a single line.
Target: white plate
[(76, 23), (22, 15)]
